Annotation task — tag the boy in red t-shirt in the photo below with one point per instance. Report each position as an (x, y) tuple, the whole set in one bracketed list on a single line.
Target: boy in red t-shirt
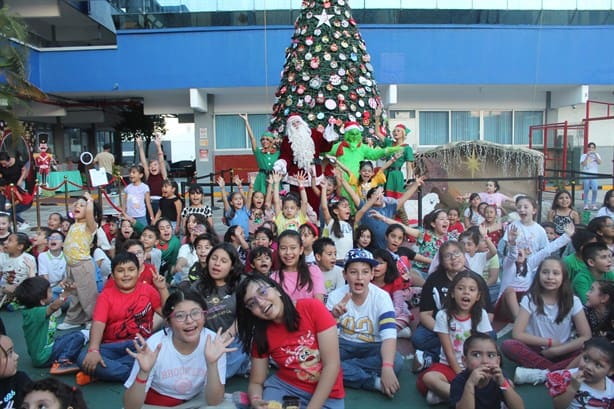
[(121, 312)]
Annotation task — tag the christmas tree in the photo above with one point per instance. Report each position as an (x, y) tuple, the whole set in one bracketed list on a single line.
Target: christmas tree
[(327, 72)]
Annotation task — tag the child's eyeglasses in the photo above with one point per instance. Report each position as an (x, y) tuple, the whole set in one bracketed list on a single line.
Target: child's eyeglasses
[(254, 302), (182, 316), (55, 237)]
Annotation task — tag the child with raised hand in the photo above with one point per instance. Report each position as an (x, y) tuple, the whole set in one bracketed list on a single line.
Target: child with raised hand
[(235, 208), (463, 314), (590, 384), (608, 205), (154, 170), (122, 312), (13, 383), (598, 309), (290, 211), (80, 267), (15, 265), (530, 234), (52, 393), (494, 230), (39, 325), (470, 240), (482, 384), (562, 211), (549, 314), (337, 215), (294, 275), (519, 268), (598, 258), (138, 201), (170, 206)]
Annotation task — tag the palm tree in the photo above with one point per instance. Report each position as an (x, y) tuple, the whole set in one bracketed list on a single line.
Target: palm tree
[(14, 84)]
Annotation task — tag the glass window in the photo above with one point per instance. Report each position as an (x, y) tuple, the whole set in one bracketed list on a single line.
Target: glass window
[(498, 126), (465, 126), (522, 121), (434, 128), (230, 132)]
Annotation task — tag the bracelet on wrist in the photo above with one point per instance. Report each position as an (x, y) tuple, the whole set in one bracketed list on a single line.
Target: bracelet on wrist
[(140, 380), (549, 342), (254, 397), (505, 385), (387, 365), (93, 350)]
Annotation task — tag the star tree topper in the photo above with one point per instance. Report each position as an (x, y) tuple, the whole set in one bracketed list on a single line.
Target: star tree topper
[(323, 19)]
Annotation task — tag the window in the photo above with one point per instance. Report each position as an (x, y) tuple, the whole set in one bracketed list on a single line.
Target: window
[(498, 126), (230, 132), (522, 121), (434, 128), (465, 126)]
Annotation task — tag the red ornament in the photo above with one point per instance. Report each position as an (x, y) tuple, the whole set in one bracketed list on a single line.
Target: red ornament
[(353, 96), (366, 118), (300, 90)]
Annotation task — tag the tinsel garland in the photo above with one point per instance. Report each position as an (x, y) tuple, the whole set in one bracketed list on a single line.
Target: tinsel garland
[(512, 160)]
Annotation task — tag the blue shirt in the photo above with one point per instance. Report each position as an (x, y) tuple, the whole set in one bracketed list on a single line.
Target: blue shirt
[(379, 227), (241, 218)]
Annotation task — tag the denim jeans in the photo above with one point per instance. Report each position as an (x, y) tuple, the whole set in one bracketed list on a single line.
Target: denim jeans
[(590, 184), (67, 347), (362, 362), (237, 362), (276, 389), (118, 362), (427, 341)]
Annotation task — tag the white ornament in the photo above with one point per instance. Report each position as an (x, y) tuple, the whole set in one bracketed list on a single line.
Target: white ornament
[(323, 19)]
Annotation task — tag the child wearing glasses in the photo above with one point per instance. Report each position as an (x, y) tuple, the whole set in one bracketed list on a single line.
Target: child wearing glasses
[(182, 361), (122, 312)]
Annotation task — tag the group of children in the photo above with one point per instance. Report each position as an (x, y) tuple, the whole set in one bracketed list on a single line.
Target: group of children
[(443, 285)]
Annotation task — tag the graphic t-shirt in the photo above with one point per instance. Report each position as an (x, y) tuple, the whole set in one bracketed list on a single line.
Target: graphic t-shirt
[(458, 330), (39, 331), (12, 390), (297, 353), (126, 314)]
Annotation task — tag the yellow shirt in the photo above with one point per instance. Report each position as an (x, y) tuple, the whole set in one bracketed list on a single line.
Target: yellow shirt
[(78, 242), (378, 179), (290, 224)]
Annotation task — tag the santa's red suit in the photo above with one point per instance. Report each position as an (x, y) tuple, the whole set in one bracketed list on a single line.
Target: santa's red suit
[(297, 153)]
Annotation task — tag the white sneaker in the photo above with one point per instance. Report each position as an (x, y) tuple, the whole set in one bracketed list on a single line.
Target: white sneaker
[(433, 399), (530, 375), (25, 227), (66, 326), (86, 334), (57, 313), (404, 333)]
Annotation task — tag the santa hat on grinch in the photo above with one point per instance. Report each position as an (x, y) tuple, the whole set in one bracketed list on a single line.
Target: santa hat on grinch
[(350, 126)]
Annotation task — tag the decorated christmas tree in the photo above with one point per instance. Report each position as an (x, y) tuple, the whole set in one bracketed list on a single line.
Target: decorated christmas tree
[(328, 72)]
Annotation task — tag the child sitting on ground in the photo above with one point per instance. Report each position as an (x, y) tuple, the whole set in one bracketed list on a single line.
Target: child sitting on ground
[(482, 385), (326, 258), (122, 311), (369, 356), (260, 260), (39, 241), (39, 327), (598, 309), (598, 258), (15, 265), (52, 263), (589, 385)]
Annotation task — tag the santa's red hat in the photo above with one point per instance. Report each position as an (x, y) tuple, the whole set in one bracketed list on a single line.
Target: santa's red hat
[(351, 125), (294, 116)]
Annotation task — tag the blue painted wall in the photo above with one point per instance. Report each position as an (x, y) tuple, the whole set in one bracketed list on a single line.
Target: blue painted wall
[(237, 57)]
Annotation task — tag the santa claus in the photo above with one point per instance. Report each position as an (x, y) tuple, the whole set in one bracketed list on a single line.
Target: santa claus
[(299, 149)]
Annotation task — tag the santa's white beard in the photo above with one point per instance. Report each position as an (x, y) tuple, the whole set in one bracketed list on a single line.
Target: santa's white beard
[(303, 148)]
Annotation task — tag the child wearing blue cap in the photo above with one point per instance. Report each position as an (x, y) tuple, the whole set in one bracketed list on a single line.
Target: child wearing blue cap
[(367, 329)]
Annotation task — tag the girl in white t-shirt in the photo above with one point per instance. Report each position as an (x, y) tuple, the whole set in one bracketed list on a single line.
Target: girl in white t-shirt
[(463, 315), (336, 215), (549, 312), (181, 362), (590, 384)]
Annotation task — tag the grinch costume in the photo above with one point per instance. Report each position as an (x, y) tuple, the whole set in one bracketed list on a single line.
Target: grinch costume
[(351, 151), (395, 180)]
